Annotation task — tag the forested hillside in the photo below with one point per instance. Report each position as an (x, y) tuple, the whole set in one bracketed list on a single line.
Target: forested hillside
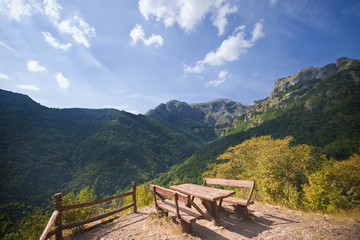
[(44, 151)]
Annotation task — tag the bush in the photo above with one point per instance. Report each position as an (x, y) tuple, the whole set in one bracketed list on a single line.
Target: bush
[(278, 168), (334, 187), (85, 195), (143, 196)]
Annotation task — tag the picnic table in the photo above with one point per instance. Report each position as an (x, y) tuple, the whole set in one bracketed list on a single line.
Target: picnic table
[(208, 196)]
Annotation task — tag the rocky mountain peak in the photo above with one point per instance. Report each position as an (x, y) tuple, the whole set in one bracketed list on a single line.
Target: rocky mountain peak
[(310, 73), (344, 61), (215, 114), (220, 111), (175, 109)]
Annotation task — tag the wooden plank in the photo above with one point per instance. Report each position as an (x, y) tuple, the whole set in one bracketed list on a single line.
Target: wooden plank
[(230, 182), (76, 224), (238, 201), (51, 222), (87, 204), (183, 198), (163, 191), (199, 210), (202, 192), (187, 214)]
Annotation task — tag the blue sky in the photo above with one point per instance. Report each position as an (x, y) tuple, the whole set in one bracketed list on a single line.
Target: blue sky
[(134, 55)]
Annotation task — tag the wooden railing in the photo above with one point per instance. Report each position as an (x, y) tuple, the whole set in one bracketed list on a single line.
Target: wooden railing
[(56, 217)]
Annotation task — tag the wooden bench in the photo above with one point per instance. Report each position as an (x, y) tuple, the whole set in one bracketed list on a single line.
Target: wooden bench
[(240, 204), (184, 216)]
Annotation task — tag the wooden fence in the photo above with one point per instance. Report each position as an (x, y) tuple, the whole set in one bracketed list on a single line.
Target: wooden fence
[(56, 217)]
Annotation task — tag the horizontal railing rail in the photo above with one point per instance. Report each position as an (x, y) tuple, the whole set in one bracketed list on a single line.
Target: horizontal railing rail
[(56, 217)]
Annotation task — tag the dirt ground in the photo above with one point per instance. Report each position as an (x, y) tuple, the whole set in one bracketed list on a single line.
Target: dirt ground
[(271, 222)]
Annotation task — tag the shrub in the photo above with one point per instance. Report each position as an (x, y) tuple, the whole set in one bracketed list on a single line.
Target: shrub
[(334, 187), (278, 168), (85, 195)]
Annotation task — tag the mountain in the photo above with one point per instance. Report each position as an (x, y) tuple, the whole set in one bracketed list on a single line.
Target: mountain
[(210, 118), (316, 106), (44, 151)]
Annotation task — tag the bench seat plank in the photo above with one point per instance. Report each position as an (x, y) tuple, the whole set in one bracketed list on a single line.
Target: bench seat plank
[(238, 201), (187, 214)]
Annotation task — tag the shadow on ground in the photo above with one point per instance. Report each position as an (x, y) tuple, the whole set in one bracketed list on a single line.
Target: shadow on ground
[(234, 228)]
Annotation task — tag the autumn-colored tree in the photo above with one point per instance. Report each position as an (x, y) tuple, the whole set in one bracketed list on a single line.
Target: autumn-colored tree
[(278, 168), (335, 186)]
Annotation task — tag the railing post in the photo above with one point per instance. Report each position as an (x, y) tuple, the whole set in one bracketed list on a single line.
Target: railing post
[(134, 196), (58, 222)]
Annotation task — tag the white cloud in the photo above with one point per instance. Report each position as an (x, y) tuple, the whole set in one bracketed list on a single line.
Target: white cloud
[(34, 66), (4, 76), (221, 79), (138, 34), (52, 9), (230, 49), (28, 87), (258, 31), (220, 21), (55, 43), (15, 9), (78, 29), (62, 81), (187, 13)]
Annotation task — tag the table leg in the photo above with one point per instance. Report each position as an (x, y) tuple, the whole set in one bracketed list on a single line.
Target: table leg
[(213, 210)]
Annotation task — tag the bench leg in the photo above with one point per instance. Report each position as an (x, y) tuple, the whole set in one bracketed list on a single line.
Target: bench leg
[(184, 226), (241, 212), (213, 210)]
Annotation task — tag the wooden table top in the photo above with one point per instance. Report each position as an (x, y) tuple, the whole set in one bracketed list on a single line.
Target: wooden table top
[(207, 193)]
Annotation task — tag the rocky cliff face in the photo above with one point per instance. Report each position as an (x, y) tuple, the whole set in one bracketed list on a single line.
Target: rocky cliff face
[(216, 114), (308, 77), (176, 110), (310, 73), (220, 112)]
